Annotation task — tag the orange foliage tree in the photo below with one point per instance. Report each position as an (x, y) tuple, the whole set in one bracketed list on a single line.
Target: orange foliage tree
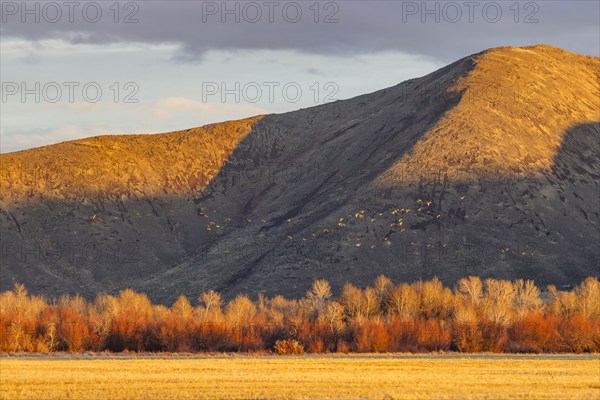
[(424, 316)]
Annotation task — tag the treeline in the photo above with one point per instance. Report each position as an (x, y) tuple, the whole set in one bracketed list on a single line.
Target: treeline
[(475, 316)]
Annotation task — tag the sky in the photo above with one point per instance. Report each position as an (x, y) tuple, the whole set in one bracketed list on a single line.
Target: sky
[(74, 69)]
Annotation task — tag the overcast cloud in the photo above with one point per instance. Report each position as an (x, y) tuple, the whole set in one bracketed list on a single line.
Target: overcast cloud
[(171, 49)]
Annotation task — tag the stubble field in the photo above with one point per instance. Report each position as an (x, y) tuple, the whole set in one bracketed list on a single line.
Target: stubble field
[(301, 377)]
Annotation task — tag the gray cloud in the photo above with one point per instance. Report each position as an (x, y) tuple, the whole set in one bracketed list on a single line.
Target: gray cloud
[(361, 27), (373, 44)]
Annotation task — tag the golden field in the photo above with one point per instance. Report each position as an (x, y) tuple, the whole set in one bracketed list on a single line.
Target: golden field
[(303, 377)]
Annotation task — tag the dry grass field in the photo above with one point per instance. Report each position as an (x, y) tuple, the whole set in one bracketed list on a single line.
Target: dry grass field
[(303, 377)]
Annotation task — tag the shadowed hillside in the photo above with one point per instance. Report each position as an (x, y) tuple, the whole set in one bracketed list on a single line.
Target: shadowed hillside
[(488, 166)]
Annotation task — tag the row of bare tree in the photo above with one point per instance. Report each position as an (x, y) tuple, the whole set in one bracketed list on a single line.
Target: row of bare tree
[(490, 315)]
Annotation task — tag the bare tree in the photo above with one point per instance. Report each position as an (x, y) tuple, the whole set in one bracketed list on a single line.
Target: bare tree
[(498, 301), (383, 287), (371, 303), (588, 298), (318, 295), (527, 297), (562, 304), (351, 300), (334, 315), (240, 310), (404, 301), (183, 308), (470, 290), (435, 299), (211, 303)]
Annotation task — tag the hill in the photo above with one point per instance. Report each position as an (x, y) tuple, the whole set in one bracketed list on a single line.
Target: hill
[(489, 166)]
